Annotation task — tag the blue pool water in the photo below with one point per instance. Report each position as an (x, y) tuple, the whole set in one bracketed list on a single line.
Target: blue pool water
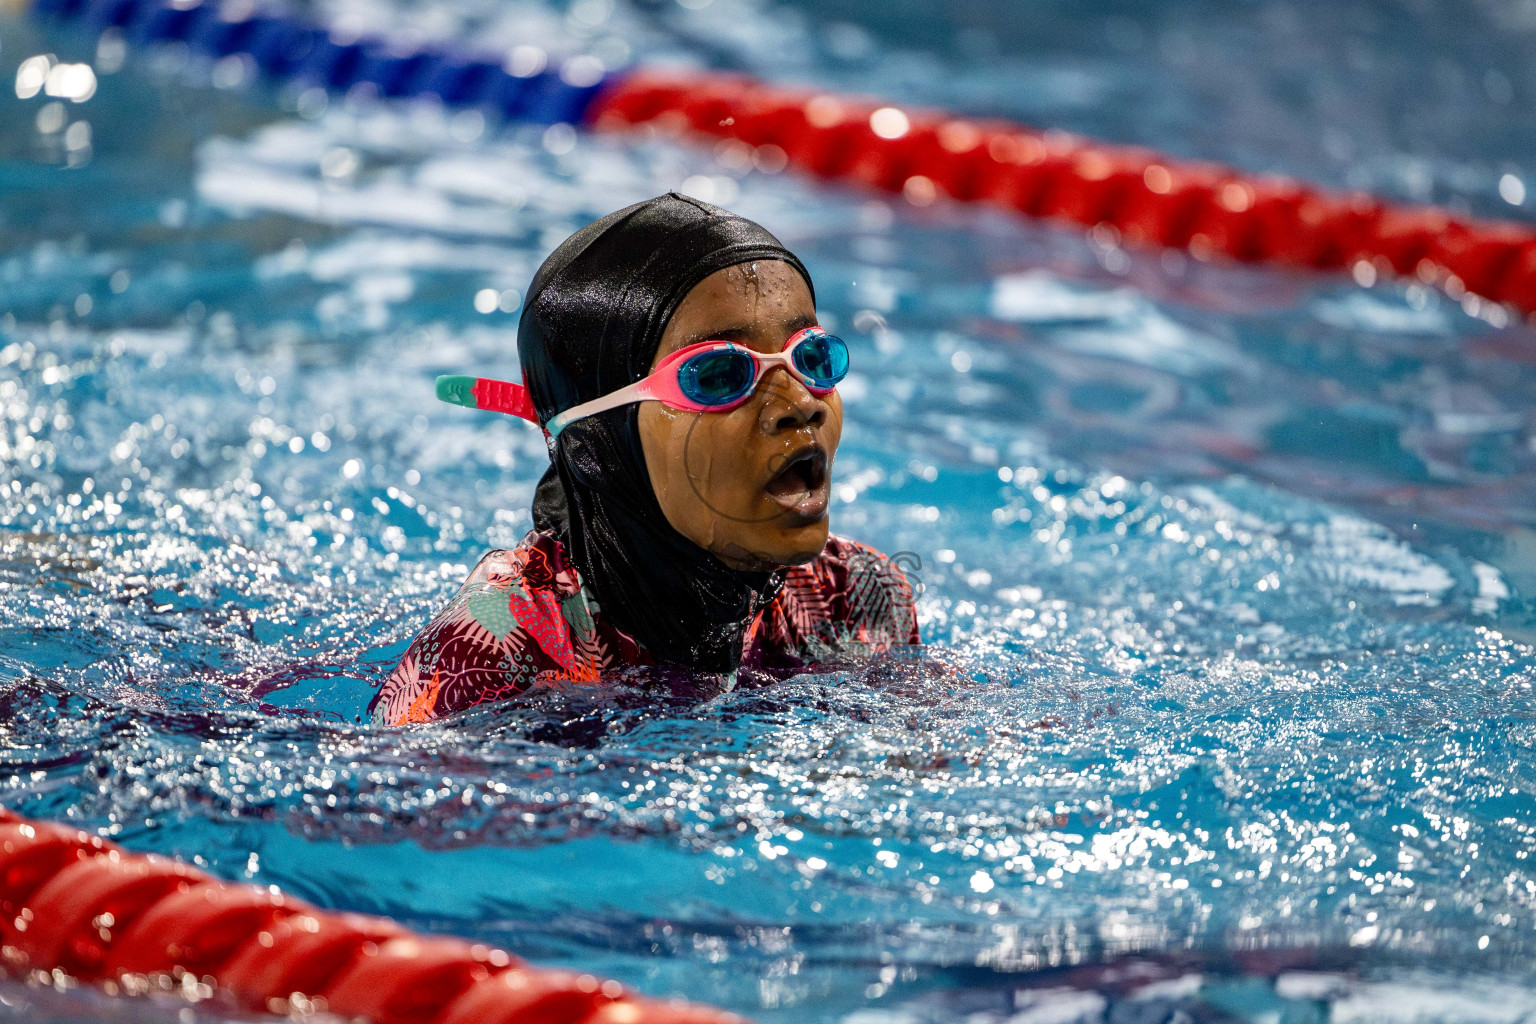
[(1237, 565)]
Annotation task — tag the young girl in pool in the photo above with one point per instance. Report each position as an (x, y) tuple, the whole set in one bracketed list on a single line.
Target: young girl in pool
[(671, 354)]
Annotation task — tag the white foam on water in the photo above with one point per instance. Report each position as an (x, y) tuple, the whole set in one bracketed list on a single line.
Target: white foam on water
[(1362, 552), (1448, 1002), (1382, 314), (1037, 297)]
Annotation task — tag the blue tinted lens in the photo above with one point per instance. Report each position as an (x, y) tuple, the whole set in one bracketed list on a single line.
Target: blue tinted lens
[(715, 378), (823, 358)]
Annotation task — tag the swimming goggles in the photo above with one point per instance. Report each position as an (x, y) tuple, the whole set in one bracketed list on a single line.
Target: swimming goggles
[(710, 376)]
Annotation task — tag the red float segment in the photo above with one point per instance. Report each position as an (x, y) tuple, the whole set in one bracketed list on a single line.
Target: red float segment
[(1017, 170), (1403, 237), (946, 152), (549, 997), (78, 912), (1332, 231), (1215, 212), (637, 98), (1161, 211), (410, 979), (1483, 257), (198, 930), (1275, 219), (77, 904), (301, 955), (31, 854), (1519, 286)]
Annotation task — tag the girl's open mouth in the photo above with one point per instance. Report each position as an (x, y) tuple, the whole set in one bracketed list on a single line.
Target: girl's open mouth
[(803, 485)]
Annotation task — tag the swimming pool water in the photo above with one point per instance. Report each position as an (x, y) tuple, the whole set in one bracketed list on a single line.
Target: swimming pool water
[(1235, 567)]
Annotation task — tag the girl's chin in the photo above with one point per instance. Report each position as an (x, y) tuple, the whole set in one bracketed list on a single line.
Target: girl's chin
[(795, 545), (773, 547)]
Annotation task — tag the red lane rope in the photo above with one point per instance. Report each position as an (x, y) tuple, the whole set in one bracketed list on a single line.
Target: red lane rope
[(1138, 196), (74, 903)]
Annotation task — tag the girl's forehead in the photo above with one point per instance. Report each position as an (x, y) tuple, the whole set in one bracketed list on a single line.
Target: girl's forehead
[(762, 334), (757, 304), (747, 286)]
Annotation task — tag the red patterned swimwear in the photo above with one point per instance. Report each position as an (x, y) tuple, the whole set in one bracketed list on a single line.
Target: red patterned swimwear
[(523, 619)]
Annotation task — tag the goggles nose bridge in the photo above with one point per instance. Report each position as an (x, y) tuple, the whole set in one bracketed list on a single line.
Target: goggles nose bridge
[(783, 361)]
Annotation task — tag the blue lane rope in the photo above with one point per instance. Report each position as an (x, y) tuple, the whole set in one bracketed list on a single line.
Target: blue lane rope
[(288, 49)]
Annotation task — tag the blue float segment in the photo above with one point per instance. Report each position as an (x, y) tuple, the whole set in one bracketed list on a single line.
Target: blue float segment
[(398, 74), (280, 47), (543, 99), (59, 8), (329, 63), (217, 37), (104, 14), (286, 48), (165, 24), (463, 83), (509, 94), (557, 100)]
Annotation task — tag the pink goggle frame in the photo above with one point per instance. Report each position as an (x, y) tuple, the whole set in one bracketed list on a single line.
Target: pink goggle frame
[(661, 385)]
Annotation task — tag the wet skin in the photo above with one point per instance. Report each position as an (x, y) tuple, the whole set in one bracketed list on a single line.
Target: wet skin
[(750, 485)]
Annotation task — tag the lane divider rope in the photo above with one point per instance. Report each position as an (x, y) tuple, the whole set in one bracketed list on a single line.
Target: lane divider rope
[(1126, 195), (73, 905)]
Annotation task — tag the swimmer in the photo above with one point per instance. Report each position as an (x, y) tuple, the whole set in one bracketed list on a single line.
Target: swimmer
[(672, 356)]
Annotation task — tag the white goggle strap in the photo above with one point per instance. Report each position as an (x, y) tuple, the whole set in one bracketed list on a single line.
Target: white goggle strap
[(636, 392)]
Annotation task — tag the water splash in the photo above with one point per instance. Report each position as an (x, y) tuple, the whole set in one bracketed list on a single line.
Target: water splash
[(1227, 577)]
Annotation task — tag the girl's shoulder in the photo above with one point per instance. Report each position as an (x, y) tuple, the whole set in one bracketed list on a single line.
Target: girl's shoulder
[(850, 568), (521, 619), (539, 562), (851, 599)]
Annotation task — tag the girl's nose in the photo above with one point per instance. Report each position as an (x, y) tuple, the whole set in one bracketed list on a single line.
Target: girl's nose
[(787, 404)]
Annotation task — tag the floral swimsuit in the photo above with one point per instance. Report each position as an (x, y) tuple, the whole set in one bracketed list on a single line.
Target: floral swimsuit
[(523, 620)]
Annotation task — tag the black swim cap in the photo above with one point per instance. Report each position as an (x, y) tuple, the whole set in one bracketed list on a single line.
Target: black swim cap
[(591, 324)]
